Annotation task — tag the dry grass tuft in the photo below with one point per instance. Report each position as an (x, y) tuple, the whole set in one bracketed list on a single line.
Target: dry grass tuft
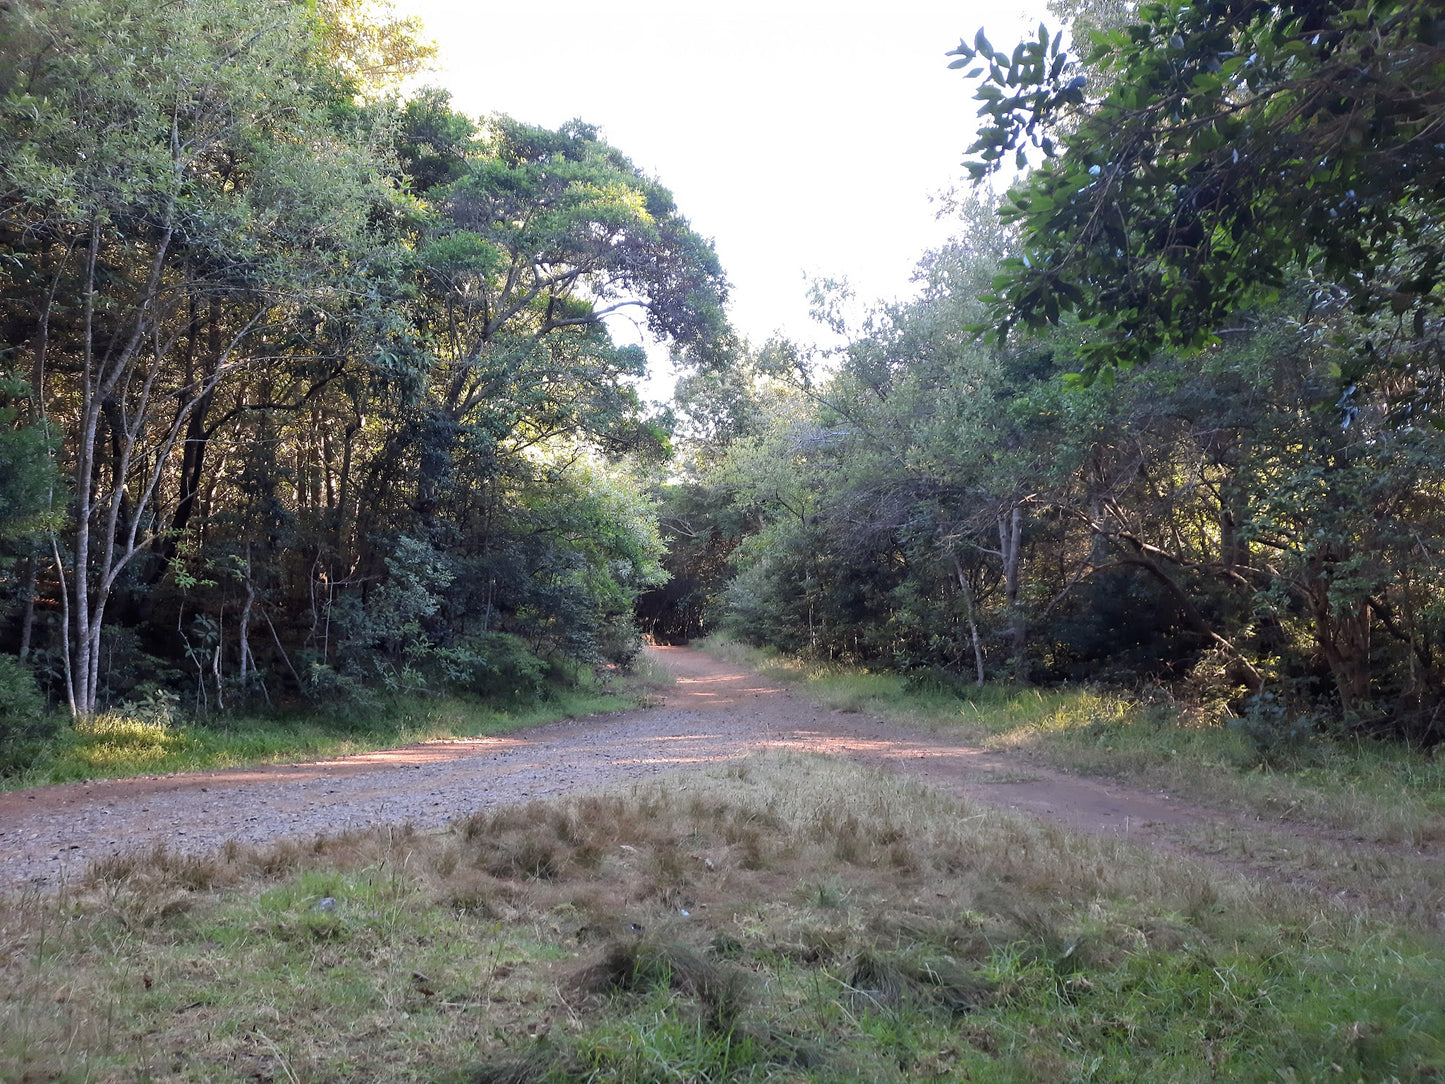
[(639, 965), (160, 868), (880, 980)]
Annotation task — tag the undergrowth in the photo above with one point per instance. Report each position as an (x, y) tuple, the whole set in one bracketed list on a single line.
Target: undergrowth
[(781, 919)]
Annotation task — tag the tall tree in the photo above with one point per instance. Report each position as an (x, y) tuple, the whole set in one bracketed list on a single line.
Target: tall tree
[(170, 192), (1237, 145)]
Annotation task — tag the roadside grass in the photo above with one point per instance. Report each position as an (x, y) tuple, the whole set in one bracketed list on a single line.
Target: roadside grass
[(154, 740), (1378, 791), (650, 679), (785, 918)]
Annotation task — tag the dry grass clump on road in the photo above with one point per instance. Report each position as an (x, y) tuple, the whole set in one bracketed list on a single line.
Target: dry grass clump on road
[(785, 918)]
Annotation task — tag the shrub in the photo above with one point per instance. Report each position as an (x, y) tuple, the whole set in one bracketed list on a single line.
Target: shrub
[(25, 726), (505, 667), (1277, 730)]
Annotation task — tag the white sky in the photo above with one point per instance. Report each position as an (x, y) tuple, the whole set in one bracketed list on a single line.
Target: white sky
[(805, 138)]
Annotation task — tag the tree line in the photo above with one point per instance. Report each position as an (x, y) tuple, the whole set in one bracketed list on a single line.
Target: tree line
[(1169, 410), (308, 388)]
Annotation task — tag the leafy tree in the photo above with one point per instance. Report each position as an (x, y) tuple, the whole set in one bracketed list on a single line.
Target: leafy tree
[(328, 372), (1237, 144), (31, 502), (170, 192), (433, 141), (365, 47)]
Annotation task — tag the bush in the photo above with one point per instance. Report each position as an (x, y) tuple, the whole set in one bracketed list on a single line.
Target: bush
[(619, 642), (25, 726), (1276, 729), (505, 668)]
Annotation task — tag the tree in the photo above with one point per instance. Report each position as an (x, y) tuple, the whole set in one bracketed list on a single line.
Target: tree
[(327, 373), (171, 192), (31, 499), (1238, 144), (1265, 181)]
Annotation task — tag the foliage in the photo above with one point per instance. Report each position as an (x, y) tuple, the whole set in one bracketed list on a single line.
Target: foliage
[(1236, 146), (942, 502), (326, 369), (25, 725), (27, 474), (367, 47)]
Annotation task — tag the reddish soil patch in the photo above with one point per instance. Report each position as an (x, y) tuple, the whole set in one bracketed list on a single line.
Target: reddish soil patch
[(715, 712)]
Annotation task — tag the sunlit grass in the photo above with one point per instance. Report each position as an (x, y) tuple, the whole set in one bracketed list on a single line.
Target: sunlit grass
[(781, 919), (127, 742), (114, 742)]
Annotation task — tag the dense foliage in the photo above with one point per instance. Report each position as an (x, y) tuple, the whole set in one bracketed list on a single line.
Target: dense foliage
[(1237, 146), (1244, 196), (318, 390), (308, 388)]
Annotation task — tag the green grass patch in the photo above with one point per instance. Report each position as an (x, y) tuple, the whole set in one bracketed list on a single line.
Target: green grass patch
[(151, 739), (789, 919)]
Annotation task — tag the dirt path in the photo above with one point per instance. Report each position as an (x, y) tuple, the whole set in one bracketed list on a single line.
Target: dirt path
[(715, 712)]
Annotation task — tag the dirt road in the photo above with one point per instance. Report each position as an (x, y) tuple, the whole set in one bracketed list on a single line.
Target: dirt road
[(716, 712)]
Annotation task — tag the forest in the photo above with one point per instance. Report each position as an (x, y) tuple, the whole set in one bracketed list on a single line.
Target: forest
[(1166, 415), (308, 390)]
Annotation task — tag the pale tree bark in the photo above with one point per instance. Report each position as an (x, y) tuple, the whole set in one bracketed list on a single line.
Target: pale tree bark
[(1011, 553), (967, 592), (116, 502)]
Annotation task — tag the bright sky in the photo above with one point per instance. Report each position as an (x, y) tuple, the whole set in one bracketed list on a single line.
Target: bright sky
[(806, 138)]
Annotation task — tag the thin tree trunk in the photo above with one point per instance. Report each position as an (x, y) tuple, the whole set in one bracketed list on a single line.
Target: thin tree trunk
[(1010, 542), (64, 625), (27, 616), (244, 631), (967, 593), (81, 700)]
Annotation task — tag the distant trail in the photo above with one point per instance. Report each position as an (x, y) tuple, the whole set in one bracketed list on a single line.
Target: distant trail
[(716, 712)]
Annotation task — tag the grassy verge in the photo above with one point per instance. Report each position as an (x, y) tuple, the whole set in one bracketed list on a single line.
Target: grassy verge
[(1381, 792), (150, 742), (783, 919)]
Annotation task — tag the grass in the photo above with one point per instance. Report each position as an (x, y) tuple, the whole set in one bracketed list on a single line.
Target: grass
[(151, 740), (781, 919), (1376, 791)]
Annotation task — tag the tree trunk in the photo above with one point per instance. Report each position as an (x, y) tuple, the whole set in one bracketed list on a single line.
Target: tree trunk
[(967, 593), (1010, 544), (1343, 638), (243, 633), (27, 616)]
